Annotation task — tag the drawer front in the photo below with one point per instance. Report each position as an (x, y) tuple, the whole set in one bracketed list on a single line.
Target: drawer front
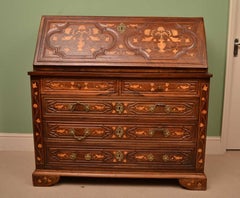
[(167, 108), (79, 86), (118, 159), (160, 87), (105, 132)]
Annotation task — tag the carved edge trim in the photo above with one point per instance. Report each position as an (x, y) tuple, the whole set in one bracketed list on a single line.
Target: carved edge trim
[(37, 122), (202, 127)]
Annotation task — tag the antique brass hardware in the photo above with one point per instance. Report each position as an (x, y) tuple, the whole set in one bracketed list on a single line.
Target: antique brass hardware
[(154, 107), (168, 109), (73, 156), (119, 156), (119, 132), (165, 158), (79, 138), (150, 157), (119, 108), (79, 106), (121, 27), (88, 156), (166, 133)]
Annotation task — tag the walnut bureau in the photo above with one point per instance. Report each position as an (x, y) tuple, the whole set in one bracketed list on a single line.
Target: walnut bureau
[(120, 97)]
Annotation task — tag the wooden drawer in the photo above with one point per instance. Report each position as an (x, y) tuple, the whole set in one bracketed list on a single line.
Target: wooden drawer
[(166, 107), (79, 86), (119, 159), (160, 87), (85, 132)]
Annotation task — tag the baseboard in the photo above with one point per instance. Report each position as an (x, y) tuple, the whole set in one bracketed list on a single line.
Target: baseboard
[(215, 146), (16, 142), (24, 142)]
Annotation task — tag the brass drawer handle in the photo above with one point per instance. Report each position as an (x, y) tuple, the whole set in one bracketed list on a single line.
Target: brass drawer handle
[(74, 107), (167, 108), (166, 133), (154, 107), (119, 108), (73, 156), (79, 138)]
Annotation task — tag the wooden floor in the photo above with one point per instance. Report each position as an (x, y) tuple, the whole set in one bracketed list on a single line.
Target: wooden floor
[(223, 172)]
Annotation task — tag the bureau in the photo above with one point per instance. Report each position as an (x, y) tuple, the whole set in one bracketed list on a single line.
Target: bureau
[(120, 97)]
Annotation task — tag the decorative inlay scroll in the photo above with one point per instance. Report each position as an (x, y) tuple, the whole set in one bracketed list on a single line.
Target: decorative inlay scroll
[(94, 41), (79, 40), (202, 126), (162, 41), (37, 122)]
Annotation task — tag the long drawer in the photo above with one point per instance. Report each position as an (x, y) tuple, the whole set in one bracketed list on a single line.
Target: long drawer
[(120, 158), (165, 107), (102, 132)]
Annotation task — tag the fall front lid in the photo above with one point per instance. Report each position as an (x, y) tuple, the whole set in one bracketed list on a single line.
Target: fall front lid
[(121, 41)]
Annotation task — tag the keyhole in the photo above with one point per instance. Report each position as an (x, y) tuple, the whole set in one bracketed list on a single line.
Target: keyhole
[(121, 28)]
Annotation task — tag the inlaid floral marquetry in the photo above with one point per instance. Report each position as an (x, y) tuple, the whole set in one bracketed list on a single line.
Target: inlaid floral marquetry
[(83, 41)]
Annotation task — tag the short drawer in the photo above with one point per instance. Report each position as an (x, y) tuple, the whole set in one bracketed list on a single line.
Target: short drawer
[(79, 86), (119, 159), (166, 107), (100, 133), (160, 87)]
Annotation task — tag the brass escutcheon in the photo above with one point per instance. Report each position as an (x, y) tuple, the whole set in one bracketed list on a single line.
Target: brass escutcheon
[(121, 27), (119, 108), (119, 131), (119, 156)]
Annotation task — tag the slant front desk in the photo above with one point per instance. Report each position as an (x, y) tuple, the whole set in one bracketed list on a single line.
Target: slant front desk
[(120, 97)]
